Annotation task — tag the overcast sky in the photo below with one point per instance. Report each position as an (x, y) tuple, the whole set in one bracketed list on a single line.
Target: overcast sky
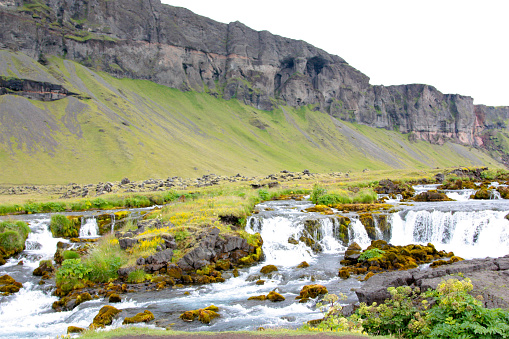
[(458, 46)]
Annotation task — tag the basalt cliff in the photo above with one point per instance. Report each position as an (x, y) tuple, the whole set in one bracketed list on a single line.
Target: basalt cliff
[(174, 47)]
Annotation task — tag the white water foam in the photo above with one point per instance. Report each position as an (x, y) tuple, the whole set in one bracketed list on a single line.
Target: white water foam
[(89, 228), (476, 234), (358, 233)]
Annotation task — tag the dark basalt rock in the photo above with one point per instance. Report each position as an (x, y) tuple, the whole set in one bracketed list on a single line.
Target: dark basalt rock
[(489, 277)]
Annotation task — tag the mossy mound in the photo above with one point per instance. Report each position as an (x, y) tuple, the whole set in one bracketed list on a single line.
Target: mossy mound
[(8, 285), (74, 329), (482, 194), (387, 186), (205, 315), (432, 195), (268, 269), (504, 192), (81, 298), (381, 256), (13, 235), (274, 296), (363, 208), (104, 317), (114, 298), (320, 209), (312, 291), (144, 317), (258, 297), (303, 264), (45, 269), (457, 185)]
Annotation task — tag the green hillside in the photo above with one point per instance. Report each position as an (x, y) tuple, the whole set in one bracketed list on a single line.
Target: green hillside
[(138, 129)]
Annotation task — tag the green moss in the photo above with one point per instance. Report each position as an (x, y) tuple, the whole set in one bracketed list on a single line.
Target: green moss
[(62, 226), (13, 235)]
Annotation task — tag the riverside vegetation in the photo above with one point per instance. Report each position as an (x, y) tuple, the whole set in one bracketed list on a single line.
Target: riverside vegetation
[(109, 266)]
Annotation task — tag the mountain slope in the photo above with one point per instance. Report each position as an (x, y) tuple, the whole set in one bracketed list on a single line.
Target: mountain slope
[(174, 47), (110, 128)]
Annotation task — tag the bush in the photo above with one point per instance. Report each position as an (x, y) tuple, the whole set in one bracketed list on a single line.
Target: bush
[(13, 235), (53, 207), (331, 199), (367, 196), (264, 194), (317, 192), (409, 314), (61, 226)]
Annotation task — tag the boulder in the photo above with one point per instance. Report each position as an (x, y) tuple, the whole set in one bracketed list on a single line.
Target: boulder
[(104, 317), (144, 317), (268, 269), (312, 291), (274, 296), (375, 289), (162, 257)]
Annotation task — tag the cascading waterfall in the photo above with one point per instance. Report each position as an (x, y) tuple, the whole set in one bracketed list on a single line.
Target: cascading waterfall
[(467, 234), (358, 233), (89, 228)]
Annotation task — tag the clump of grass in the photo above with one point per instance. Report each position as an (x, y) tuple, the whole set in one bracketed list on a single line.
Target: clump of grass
[(137, 276), (105, 260), (61, 226), (70, 255)]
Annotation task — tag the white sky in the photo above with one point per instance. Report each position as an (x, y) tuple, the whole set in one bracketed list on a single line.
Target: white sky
[(458, 46)]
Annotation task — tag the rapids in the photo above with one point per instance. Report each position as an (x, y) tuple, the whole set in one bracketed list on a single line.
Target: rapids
[(470, 228)]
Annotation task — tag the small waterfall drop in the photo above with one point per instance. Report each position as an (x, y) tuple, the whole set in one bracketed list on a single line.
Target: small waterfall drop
[(358, 233), (89, 228), (468, 234)]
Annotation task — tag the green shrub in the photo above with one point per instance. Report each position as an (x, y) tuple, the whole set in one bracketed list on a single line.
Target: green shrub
[(137, 276), (370, 254), (264, 194), (137, 201), (317, 192), (32, 207), (331, 199), (13, 235), (410, 314), (70, 255), (61, 226)]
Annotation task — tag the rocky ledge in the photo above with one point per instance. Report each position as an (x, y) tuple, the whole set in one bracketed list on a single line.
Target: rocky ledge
[(489, 277)]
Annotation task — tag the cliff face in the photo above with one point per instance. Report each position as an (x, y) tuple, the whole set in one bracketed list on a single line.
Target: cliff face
[(177, 48)]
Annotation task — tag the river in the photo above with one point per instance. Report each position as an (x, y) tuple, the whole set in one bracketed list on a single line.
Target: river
[(470, 228)]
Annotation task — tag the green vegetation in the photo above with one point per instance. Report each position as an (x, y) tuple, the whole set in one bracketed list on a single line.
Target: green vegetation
[(371, 254), (137, 276), (71, 275), (322, 196), (105, 259), (62, 226), (218, 134), (447, 312), (13, 235)]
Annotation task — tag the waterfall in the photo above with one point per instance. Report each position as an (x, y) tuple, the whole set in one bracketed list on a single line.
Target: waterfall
[(89, 228), (460, 195), (112, 223), (358, 233), (467, 234), (494, 194)]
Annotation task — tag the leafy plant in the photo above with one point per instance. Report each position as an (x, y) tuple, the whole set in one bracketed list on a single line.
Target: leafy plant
[(371, 253), (264, 194), (71, 275), (317, 192), (70, 255)]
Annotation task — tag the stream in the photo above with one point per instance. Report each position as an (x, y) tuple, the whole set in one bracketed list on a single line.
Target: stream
[(470, 228)]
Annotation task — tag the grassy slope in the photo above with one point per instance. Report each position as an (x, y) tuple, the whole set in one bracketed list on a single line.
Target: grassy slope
[(139, 129)]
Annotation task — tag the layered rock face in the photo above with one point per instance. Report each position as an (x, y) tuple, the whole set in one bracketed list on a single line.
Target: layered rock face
[(177, 48)]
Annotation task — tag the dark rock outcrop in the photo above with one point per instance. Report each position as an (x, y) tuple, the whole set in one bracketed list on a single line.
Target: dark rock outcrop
[(177, 48), (31, 89), (489, 277)]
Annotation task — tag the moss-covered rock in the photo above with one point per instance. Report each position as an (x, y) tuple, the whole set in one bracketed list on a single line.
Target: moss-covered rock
[(81, 298), (8, 285), (104, 317), (274, 296), (114, 298), (432, 195), (144, 317), (75, 330), (258, 297), (369, 224), (303, 264), (45, 268), (312, 291), (381, 256), (268, 269), (205, 315), (482, 194)]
